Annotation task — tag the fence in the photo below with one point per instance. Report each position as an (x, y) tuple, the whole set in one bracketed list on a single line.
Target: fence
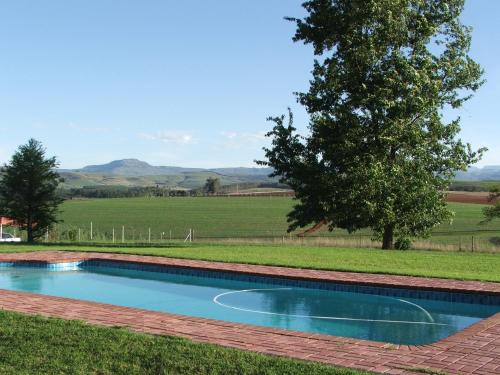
[(478, 241), (117, 235)]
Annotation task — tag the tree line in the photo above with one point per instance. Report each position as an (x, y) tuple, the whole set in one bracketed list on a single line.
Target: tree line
[(120, 192)]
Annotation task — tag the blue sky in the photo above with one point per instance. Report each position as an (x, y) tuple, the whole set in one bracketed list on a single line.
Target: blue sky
[(186, 83)]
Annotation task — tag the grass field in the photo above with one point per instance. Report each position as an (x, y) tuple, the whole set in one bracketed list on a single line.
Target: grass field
[(453, 265), (36, 345), (209, 217), (235, 217)]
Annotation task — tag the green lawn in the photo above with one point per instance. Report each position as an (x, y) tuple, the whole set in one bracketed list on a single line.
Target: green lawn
[(453, 265), (36, 345)]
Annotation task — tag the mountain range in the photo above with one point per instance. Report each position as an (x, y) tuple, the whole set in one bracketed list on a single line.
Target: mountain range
[(135, 167), (486, 173), (134, 172)]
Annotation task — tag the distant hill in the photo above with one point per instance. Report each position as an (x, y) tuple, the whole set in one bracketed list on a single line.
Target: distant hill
[(134, 167), (487, 173), (185, 180), (133, 172)]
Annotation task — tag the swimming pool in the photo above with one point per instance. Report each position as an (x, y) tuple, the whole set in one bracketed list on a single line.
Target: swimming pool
[(399, 316)]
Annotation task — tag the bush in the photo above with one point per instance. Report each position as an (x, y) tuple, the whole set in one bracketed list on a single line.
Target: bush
[(70, 234), (403, 244)]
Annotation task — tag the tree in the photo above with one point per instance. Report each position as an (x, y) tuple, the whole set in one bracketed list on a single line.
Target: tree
[(28, 189), (493, 212), (378, 154), (212, 186)]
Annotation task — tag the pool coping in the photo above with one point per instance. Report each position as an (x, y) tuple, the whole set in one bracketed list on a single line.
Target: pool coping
[(475, 350)]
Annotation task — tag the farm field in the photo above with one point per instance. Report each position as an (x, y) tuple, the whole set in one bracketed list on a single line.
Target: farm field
[(246, 218), (480, 197), (234, 217), (207, 216)]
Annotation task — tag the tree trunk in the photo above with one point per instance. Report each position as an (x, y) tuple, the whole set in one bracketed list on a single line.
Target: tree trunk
[(388, 241), (29, 229), (30, 234)]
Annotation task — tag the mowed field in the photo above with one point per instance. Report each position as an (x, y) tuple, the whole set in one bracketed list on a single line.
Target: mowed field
[(233, 217), (207, 216)]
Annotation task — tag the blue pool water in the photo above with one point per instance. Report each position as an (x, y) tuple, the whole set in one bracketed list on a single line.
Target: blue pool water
[(380, 314)]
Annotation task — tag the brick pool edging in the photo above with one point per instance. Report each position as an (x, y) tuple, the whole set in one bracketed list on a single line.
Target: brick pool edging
[(475, 350)]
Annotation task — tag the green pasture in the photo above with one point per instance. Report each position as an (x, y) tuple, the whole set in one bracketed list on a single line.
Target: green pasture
[(229, 217), (250, 218), (207, 216)]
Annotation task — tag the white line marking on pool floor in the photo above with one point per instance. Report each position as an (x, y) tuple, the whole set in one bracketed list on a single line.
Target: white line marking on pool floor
[(418, 306), (216, 301)]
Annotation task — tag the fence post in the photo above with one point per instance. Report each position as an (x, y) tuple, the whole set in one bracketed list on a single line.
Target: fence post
[(79, 235), (123, 233), (113, 235), (47, 235), (149, 235), (170, 232), (472, 243), (91, 237), (189, 236)]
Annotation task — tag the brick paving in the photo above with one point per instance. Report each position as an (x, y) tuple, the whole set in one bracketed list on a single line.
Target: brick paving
[(475, 350)]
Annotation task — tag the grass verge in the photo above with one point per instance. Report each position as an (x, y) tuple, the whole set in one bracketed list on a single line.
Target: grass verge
[(452, 265), (36, 345)]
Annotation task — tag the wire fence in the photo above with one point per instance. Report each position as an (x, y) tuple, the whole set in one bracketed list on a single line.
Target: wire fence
[(473, 241)]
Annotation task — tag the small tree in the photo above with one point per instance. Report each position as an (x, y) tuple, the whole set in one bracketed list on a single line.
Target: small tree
[(379, 154), (28, 189), (212, 186), (493, 212)]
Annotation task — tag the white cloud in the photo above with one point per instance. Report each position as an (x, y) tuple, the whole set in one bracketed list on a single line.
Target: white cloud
[(256, 136), (235, 140), (170, 136)]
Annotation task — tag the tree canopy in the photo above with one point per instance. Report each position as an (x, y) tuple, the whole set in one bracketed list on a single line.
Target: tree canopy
[(379, 153), (28, 189), (493, 212), (212, 185)]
